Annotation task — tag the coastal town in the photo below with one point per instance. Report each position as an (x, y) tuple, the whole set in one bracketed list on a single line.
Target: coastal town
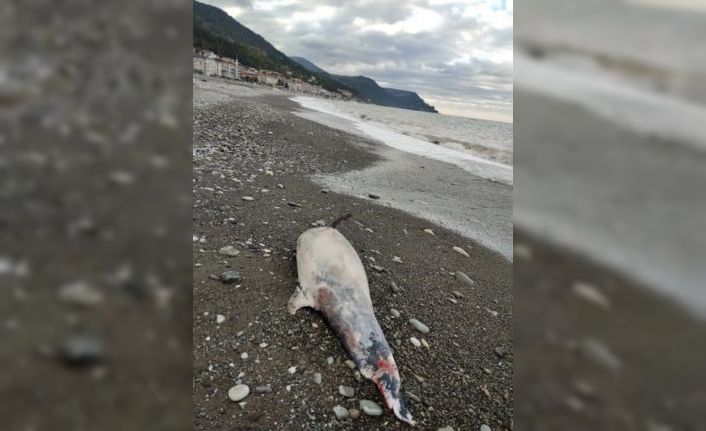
[(208, 63)]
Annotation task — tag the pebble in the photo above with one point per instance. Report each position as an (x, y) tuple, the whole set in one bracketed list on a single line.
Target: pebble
[(396, 259), (419, 326), (447, 428), (395, 287), (346, 391), (82, 350), (325, 191), (350, 364), (329, 360), (220, 318), (80, 293), (355, 413), (425, 344), (340, 412), (458, 294), (378, 268), (238, 392), (600, 353), (373, 196), (229, 250), (485, 427), (429, 231), (414, 396), (415, 342), (370, 408), (263, 345), (463, 278), (452, 300), (230, 277), (591, 294), (292, 370), (317, 378), (394, 312), (499, 351), (264, 389), (460, 251), (247, 198), (244, 355)]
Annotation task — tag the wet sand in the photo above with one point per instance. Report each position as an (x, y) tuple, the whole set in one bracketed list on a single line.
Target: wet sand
[(255, 146)]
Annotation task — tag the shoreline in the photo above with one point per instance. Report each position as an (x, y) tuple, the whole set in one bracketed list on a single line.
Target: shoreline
[(443, 193), (460, 380)]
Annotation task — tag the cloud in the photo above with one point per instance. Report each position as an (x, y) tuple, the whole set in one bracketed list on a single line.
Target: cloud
[(457, 54)]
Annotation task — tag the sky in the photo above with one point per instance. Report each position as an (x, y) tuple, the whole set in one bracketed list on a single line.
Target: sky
[(456, 54)]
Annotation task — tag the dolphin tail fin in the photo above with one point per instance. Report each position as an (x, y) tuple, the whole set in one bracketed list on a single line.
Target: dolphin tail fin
[(388, 382), (298, 300)]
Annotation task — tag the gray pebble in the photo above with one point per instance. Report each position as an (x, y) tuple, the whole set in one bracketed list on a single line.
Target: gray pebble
[(394, 312), (238, 392), (247, 198), (355, 413), (419, 326), (370, 408), (414, 396), (229, 250), (460, 251), (340, 412), (230, 277), (350, 364), (317, 378), (346, 391), (264, 389), (82, 350), (463, 278), (485, 427), (373, 196), (80, 293)]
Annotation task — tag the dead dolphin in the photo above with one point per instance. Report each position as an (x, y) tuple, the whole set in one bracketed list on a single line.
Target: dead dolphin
[(332, 280)]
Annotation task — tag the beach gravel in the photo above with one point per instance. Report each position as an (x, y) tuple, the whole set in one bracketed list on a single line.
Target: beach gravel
[(232, 141)]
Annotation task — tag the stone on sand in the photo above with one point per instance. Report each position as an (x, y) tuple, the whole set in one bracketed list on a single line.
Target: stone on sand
[(238, 392), (419, 326), (370, 408), (346, 391), (229, 250), (463, 278), (340, 412), (460, 251)]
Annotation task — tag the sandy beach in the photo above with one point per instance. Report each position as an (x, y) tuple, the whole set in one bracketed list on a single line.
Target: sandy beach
[(253, 146)]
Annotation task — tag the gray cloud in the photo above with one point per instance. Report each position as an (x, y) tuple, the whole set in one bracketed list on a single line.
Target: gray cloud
[(463, 65)]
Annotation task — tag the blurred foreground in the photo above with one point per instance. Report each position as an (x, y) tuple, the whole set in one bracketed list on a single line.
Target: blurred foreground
[(95, 171), (610, 152)]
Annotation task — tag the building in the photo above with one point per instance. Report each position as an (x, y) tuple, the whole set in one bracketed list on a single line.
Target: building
[(205, 63), (210, 64), (268, 77)]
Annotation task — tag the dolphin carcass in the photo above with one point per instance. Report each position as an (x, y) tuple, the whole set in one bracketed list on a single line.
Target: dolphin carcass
[(332, 280)]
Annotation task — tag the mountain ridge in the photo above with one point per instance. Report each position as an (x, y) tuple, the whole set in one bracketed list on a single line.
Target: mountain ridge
[(216, 31), (371, 91)]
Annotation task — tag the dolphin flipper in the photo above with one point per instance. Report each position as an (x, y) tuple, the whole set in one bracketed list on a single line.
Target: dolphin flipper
[(298, 300)]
